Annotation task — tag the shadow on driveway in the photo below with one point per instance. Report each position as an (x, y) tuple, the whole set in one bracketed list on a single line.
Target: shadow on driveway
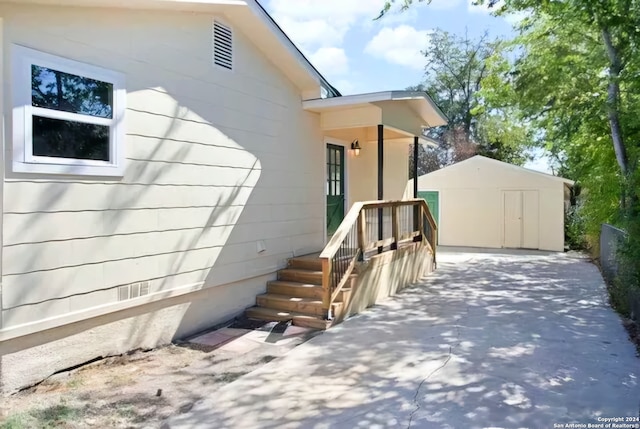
[(489, 340)]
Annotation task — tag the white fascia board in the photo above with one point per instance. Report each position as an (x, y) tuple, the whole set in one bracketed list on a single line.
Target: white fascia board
[(373, 97), (346, 100), (260, 11)]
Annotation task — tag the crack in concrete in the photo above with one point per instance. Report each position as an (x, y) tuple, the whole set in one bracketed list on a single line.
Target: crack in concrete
[(424, 380), (415, 397)]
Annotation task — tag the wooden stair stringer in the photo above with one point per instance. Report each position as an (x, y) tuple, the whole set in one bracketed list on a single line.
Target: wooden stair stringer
[(297, 294)]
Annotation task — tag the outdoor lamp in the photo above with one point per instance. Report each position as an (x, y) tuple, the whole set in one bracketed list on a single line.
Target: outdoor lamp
[(355, 147)]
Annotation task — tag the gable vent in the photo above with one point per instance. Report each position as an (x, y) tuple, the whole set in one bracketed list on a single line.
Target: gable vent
[(222, 46)]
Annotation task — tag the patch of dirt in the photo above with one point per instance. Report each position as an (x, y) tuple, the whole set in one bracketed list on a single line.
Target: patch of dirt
[(136, 390)]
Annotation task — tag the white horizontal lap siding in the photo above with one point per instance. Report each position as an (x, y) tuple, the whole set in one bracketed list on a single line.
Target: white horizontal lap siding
[(33, 228), (215, 162), (58, 255), (396, 170)]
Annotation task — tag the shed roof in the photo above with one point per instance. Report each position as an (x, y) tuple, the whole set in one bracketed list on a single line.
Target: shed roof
[(484, 159)]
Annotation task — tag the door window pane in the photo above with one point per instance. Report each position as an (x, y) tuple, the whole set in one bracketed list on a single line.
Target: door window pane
[(52, 89), (335, 173), (68, 139)]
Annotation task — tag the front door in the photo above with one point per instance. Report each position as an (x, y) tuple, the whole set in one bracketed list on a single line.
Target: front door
[(335, 187)]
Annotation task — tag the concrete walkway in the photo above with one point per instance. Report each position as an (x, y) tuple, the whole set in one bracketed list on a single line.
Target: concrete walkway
[(490, 340)]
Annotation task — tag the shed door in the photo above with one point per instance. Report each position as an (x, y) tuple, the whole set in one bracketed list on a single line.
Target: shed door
[(530, 220), (521, 219), (512, 219), (433, 201)]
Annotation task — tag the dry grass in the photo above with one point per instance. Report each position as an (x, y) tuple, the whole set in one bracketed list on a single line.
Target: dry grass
[(123, 391)]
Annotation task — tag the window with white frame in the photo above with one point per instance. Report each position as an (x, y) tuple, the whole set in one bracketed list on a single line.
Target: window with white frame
[(67, 116)]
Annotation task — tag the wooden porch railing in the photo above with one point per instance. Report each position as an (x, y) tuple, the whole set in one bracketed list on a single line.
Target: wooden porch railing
[(369, 228)]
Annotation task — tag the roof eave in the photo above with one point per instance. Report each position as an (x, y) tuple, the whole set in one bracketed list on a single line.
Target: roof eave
[(318, 104), (421, 94), (206, 6), (509, 165), (261, 11)]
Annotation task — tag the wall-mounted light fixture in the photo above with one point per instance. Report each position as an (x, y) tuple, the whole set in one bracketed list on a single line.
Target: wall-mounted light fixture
[(355, 147)]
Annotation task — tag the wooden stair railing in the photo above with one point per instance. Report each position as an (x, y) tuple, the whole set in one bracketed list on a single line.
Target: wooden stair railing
[(369, 227)]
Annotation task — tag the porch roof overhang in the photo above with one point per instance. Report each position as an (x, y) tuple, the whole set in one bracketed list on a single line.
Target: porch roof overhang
[(405, 113)]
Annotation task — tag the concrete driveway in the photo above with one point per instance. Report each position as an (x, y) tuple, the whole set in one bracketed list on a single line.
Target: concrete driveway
[(490, 340)]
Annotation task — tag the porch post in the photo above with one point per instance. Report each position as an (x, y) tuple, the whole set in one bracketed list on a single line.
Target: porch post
[(380, 161), (380, 180), (416, 209), (415, 167)]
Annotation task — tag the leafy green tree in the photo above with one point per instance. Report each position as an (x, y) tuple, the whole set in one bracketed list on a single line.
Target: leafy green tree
[(584, 106), (456, 70), (574, 79), (427, 160), (612, 27)]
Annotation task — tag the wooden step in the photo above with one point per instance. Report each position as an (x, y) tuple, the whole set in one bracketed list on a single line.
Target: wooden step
[(309, 306), (311, 263), (270, 314), (300, 276), (304, 320), (300, 290)]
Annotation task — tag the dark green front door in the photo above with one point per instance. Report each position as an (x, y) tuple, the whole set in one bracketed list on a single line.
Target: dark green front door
[(335, 187), (433, 201)]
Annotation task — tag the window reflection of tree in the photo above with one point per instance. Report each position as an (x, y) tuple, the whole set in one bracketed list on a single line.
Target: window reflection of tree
[(67, 139), (52, 89)]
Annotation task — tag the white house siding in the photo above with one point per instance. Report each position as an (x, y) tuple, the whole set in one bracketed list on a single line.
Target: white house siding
[(216, 161), (363, 174), (396, 170)]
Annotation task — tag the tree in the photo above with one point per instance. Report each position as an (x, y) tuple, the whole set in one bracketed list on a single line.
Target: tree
[(615, 23), (455, 74), (574, 79), (427, 160)]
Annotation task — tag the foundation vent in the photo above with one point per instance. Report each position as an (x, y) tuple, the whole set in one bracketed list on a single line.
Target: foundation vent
[(133, 290)]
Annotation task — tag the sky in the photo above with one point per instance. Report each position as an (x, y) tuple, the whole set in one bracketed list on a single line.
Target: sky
[(358, 54)]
